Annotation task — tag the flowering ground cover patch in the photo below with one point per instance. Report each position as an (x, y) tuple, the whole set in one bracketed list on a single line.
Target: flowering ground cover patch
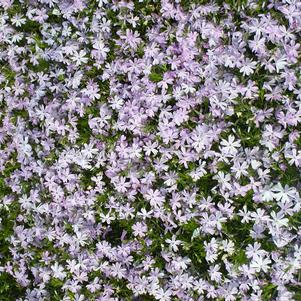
[(150, 150)]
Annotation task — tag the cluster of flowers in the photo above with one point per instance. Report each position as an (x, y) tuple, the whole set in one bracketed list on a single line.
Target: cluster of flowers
[(150, 150)]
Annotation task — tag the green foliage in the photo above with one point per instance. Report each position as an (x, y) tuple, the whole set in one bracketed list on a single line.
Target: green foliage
[(19, 113), (189, 227), (269, 292), (238, 232), (54, 288), (196, 252), (291, 176), (84, 130), (144, 297), (42, 66), (116, 229), (184, 180), (31, 26), (239, 257), (297, 293), (157, 73), (295, 220), (151, 126), (245, 127), (10, 290), (8, 74), (155, 77), (205, 184), (234, 4)]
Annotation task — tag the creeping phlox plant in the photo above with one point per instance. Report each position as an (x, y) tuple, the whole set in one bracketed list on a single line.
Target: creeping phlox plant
[(150, 150)]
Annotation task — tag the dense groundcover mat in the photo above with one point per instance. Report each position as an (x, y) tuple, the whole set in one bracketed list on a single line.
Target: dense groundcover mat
[(150, 150)]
